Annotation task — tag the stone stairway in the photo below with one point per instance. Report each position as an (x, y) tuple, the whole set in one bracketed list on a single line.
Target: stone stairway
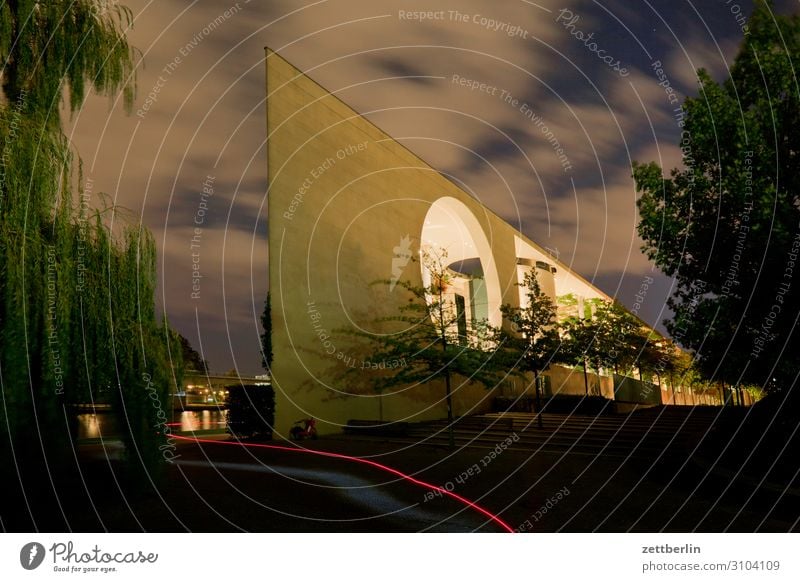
[(643, 433)]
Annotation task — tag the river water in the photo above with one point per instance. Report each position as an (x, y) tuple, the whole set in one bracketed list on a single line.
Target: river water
[(95, 425)]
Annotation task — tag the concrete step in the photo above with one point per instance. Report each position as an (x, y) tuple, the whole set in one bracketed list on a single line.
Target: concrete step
[(643, 434)]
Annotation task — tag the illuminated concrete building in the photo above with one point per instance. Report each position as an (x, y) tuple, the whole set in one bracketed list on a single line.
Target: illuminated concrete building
[(348, 205)]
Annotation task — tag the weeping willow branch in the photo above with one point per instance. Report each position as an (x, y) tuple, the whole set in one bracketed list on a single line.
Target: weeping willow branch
[(77, 315)]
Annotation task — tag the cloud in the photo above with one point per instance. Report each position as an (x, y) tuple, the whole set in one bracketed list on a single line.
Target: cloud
[(200, 113)]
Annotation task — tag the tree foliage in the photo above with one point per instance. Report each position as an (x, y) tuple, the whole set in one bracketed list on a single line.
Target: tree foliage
[(606, 336), (534, 329), (266, 336), (424, 336), (77, 317), (46, 47), (192, 359), (623, 341), (585, 337), (726, 226)]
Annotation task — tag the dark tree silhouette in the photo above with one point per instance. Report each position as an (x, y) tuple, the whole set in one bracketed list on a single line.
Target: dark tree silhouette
[(727, 225)]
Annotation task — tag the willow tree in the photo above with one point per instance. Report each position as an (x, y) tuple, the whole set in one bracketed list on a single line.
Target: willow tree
[(77, 320), (49, 47)]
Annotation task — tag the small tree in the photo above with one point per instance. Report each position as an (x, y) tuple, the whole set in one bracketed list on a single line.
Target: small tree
[(580, 337), (607, 336), (621, 338), (425, 335), (534, 335), (266, 337)]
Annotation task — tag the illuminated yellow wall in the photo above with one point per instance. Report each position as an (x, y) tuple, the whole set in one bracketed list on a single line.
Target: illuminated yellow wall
[(347, 206)]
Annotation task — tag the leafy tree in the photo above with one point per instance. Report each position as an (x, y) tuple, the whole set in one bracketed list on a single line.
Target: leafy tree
[(577, 344), (756, 392), (727, 225), (266, 337), (607, 336), (47, 46), (587, 337), (656, 355), (425, 336), (535, 336), (77, 317), (619, 338), (191, 358)]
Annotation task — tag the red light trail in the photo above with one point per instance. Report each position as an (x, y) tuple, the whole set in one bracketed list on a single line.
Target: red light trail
[(385, 468)]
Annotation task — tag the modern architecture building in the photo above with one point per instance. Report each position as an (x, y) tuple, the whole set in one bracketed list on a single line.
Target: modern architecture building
[(348, 206)]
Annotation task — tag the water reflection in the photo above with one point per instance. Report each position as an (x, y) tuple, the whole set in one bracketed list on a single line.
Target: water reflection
[(200, 420), (105, 424)]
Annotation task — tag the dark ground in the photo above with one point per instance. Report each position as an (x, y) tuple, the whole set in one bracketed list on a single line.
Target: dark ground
[(579, 474)]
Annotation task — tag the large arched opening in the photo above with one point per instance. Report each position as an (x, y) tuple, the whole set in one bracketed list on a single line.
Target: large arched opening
[(451, 230)]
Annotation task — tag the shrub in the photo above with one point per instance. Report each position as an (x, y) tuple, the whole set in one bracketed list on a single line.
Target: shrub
[(251, 411)]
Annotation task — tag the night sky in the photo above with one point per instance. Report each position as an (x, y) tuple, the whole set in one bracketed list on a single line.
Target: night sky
[(472, 88)]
